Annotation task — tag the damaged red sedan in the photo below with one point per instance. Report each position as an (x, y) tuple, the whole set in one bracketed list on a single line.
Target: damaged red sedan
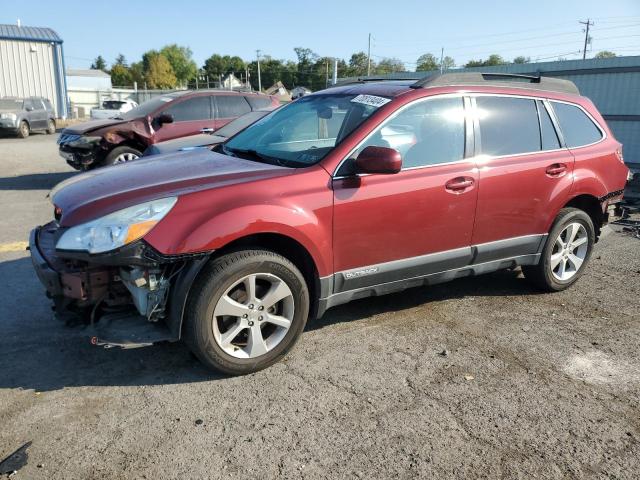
[(358, 190)]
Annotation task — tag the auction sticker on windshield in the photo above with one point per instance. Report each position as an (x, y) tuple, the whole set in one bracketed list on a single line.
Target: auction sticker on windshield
[(371, 100)]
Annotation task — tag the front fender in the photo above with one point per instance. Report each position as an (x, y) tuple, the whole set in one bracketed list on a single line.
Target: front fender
[(209, 220)]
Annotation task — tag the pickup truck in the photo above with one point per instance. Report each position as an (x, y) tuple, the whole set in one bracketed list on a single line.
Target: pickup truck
[(112, 108)]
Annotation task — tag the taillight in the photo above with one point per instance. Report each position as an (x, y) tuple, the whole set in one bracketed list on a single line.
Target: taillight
[(619, 154)]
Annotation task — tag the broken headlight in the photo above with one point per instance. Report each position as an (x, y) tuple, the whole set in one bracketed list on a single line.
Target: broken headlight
[(116, 229)]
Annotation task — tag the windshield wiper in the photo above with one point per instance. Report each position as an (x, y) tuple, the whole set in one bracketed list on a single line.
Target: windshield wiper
[(250, 154)]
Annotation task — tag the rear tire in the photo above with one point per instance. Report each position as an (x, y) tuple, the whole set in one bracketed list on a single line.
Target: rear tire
[(246, 311), (23, 129), (566, 252), (122, 154), (51, 127)]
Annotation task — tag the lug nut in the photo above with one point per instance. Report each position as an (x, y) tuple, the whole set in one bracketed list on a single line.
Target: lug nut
[(251, 306), (261, 308), (260, 318), (245, 315), (250, 323)]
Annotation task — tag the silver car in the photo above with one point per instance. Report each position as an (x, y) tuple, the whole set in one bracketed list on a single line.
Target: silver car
[(20, 116)]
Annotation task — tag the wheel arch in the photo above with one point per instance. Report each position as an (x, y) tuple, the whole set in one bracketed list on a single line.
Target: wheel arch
[(278, 243), (589, 204)]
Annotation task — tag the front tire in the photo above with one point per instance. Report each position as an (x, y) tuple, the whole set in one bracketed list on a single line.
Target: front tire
[(566, 253), (120, 155), (246, 311), (23, 129), (51, 127)]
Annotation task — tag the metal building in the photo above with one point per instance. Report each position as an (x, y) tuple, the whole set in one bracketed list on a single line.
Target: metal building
[(613, 84), (32, 64)]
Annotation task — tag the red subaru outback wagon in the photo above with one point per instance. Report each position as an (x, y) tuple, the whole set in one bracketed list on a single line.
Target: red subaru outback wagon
[(358, 190)]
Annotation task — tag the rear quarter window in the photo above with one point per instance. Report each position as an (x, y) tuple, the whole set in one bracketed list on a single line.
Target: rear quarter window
[(230, 106), (258, 102), (577, 128)]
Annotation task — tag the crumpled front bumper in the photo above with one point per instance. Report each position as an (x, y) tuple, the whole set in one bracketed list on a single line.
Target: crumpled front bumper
[(47, 275), (79, 284)]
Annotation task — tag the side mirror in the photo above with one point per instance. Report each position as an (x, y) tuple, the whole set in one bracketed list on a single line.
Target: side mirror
[(378, 160), (29, 109), (164, 118)]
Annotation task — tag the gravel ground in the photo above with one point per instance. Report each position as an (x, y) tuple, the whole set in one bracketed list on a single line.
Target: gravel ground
[(479, 378)]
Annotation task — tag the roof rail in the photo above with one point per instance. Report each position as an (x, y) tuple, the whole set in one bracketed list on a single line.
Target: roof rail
[(533, 82), (378, 79)]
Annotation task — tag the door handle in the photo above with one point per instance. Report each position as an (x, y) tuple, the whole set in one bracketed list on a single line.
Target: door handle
[(459, 184), (206, 130), (556, 170)]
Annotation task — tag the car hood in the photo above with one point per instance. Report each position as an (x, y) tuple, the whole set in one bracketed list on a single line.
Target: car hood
[(90, 195), (86, 127), (10, 110)]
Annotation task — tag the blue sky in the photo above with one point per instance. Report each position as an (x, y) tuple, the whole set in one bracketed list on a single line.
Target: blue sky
[(405, 29)]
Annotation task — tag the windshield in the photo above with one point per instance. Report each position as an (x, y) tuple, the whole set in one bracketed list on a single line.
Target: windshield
[(234, 126), (10, 104), (305, 131), (147, 107), (112, 104)]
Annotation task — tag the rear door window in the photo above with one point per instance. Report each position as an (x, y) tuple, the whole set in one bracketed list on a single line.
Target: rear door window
[(549, 136), (47, 104), (577, 128), (508, 126), (231, 105), (196, 108)]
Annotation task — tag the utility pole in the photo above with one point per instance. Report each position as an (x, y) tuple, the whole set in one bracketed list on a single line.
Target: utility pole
[(335, 71), (441, 59), (587, 24), (326, 81), (369, 57), (259, 78)]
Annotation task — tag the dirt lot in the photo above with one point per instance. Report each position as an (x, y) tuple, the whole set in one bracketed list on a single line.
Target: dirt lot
[(531, 385)]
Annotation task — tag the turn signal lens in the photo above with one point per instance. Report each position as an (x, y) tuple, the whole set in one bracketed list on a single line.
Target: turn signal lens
[(139, 230)]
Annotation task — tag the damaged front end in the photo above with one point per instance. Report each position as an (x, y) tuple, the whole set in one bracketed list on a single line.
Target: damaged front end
[(129, 297)]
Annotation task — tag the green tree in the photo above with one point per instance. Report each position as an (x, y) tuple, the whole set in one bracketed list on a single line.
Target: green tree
[(158, 72), (474, 63), (448, 63), (605, 54), (493, 60), (521, 59), (358, 64), (217, 66), (120, 76), (99, 64), (390, 65), (179, 57), (136, 70), (426, 63), (121, 60)]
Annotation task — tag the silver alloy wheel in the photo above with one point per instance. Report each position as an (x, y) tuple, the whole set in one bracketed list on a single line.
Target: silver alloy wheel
[(253, 315), (125, 157), (569, 251)]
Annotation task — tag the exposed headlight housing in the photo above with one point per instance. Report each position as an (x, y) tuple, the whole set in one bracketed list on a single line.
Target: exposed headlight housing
[(8, 116), (116, 229)]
